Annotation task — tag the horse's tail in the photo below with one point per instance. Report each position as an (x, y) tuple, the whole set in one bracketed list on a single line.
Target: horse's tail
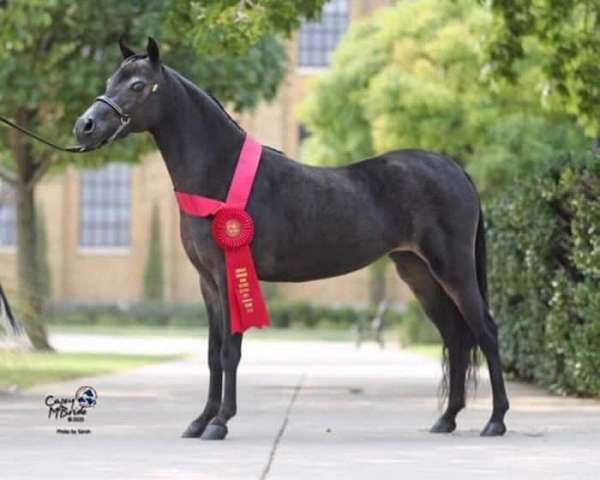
[(468, 345), (480, 251), (481, 271), (466, 337), (7, 309), (481, 258)]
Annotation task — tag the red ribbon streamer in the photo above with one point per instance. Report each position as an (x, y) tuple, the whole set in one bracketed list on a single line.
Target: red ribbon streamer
[(233, 231)]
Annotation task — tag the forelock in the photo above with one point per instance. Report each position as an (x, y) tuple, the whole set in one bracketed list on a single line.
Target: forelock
[(128, 67), (133, 58)]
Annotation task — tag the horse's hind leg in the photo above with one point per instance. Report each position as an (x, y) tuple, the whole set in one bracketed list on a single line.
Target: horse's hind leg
[(443, 313), (453, 266), (211, 300)]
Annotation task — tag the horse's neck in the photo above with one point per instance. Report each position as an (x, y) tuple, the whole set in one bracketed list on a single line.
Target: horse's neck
[(198, 141)]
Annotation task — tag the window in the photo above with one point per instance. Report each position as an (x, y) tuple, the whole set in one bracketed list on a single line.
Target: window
[(104, 207), (8, 216), (317, 40)]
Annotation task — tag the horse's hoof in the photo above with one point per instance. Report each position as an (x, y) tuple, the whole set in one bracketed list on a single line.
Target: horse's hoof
[(494, 429), (214, 432), (443, 425), (195, 429)]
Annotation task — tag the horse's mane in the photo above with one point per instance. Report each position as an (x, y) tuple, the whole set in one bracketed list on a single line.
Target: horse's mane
[(189, 85)]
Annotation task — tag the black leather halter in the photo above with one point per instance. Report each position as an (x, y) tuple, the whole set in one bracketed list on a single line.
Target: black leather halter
[(111, 103)]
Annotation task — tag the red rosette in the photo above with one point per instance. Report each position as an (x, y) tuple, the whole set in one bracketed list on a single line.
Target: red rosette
[(232, 228)]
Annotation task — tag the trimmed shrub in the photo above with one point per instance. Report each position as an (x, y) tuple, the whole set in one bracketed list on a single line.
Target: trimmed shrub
[(544, 264), (142, 313), (283, 315), (154, 289)]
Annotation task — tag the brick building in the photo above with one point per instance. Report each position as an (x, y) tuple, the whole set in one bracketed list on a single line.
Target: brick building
[(98, 221)]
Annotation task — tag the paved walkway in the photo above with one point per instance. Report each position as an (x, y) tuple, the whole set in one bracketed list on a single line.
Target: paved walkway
[(307, 410)]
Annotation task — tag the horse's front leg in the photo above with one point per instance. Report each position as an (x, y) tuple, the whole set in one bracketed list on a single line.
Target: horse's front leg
[(231, 353), (230, 359), (213, 306)]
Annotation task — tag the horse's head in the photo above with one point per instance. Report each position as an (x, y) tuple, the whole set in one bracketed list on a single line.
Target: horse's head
[(129, 103)]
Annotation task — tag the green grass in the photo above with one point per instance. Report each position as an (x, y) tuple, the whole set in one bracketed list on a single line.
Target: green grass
[(25, 369)]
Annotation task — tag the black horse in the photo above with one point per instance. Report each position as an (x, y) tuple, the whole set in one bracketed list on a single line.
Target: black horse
[(418, 207)]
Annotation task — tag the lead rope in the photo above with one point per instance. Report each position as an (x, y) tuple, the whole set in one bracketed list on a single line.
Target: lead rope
[(124, 117), (71, 149)]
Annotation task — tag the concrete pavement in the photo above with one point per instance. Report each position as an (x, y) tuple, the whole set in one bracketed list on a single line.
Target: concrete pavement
[(307, 410)]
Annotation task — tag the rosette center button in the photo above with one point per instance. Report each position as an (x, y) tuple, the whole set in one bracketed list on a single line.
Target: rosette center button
[(233, 228)]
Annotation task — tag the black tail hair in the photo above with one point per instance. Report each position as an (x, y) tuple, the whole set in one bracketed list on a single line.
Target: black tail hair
[(481, 259), (466, 342), (480, 251)]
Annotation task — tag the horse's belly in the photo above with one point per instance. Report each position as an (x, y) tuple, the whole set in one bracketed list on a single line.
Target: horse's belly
[(317, 260), (307, 274)]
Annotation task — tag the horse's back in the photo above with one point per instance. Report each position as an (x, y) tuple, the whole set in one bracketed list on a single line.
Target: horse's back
[(415, 164), (425, 181)]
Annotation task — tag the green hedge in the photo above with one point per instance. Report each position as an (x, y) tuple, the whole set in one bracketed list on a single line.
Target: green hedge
[(283, 315), (544, 261)]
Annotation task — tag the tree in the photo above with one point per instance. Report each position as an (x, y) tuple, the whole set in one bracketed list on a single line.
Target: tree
[(55, 56), (411, 77), (570, 32), (153, 276)]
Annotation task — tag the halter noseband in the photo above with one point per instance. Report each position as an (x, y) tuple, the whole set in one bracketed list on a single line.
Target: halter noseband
[(123, 117), (112, 104)]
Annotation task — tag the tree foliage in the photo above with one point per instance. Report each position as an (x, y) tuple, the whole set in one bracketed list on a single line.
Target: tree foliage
[(55, 57), (212, 26), (412, 77), (570, 33)]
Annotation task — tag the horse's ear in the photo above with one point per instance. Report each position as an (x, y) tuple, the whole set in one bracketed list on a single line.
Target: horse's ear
[(125, 50), (153, 51)]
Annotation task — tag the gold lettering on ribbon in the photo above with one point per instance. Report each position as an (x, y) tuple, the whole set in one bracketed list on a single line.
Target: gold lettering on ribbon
[(241, 275)]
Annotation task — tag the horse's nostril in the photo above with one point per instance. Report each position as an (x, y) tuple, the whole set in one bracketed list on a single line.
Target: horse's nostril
[(88, 126)]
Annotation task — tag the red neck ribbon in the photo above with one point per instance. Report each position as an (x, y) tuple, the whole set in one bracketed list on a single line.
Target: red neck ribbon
[(233, 230)]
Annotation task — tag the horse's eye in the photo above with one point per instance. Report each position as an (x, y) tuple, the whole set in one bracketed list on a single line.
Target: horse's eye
[(138, 86)]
